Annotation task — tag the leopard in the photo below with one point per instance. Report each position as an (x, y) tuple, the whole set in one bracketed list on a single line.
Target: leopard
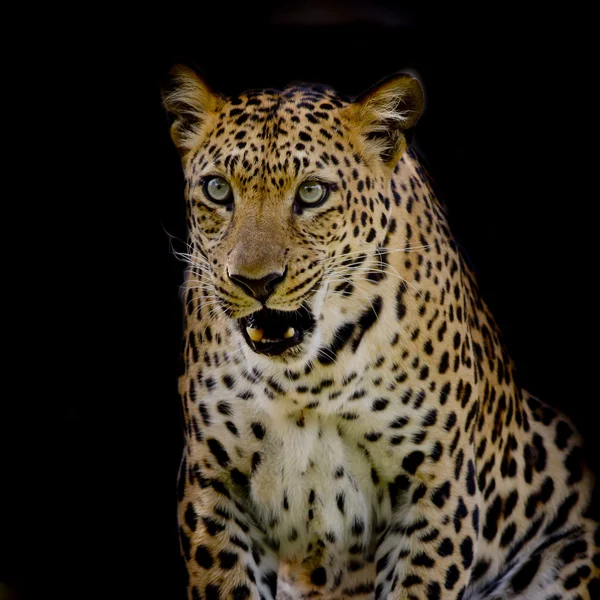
[(354, 425)]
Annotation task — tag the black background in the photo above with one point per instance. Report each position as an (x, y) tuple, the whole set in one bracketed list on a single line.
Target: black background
[(509, 134)]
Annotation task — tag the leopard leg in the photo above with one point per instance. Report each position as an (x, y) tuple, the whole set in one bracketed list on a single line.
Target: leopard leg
[(565, 566), (428, 550), (226, 557)]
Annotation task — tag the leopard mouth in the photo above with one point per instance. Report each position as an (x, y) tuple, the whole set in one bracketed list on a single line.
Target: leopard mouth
[(272, 332)]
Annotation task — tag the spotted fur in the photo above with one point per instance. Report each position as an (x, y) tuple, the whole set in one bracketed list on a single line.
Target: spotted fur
[(392, 453)]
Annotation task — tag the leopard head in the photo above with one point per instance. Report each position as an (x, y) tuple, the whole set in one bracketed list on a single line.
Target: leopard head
[(285, 190)]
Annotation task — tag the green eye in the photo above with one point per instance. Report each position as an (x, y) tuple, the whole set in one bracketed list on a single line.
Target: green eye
[(218, 190), (312, 193)]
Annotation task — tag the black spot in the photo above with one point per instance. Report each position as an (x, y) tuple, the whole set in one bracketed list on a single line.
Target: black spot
[(459, 463), (367, 319), (526, 573), (399, 422), (258, 430), (593, 587), (379, 404), (510, 503), (204, 414), (431, 536), (460, 513), (212, 527), (475, 519), (490, 529), (411, 580), (411, 462), (480, 568), (270, 580), (446, 547), (450, 421), (574, 580), (400, 306), (574, 464), (402, 482), (419, 493), (444, 363), (547, 490), (382, 563), (342, 335), (218, 451), (231, 426), (452, 575), (220, 488), (239, 478), (212, 592), (256, 460), (319, 576), (241, 592), (538, 444), (470, 478), (434, 591), (423, 560), (574, 549), (224, 408), (227, 559), (508, 535), (436, 451), (191, 518), (418, 438), (441, 494), (203, 557), (563, 513), (466, 551), (563, 433), (430, 418), (229, 381), (358, 526), (444, 392), (239, 543)]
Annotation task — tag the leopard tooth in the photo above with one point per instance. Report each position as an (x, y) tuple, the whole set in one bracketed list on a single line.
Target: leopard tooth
[(256, 335), (289, 333)]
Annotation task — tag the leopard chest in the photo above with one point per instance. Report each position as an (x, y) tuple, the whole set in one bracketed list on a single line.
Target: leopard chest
[(313, 492), (321, 486), (318, 478)]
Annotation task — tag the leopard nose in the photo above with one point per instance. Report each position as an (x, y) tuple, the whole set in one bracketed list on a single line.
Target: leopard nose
[(261, 288)]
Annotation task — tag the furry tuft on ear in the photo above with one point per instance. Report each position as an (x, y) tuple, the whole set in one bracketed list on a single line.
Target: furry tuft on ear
[(191, 102), (386, 111)]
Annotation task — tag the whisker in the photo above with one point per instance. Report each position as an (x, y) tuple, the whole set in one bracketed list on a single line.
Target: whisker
[(380, 250)]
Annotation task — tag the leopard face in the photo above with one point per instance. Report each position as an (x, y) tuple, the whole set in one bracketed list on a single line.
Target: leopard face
[(288, 201)]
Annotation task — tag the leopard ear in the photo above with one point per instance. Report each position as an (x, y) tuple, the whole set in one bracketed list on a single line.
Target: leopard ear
[(191, 103), (386, 112)]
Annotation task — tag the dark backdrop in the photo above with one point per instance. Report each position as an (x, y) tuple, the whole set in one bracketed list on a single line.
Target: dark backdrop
[(509, 133)]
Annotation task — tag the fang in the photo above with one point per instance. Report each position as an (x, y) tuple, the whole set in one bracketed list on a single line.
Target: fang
[(256, 335)]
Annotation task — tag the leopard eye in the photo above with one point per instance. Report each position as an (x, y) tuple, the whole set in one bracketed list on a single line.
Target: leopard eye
[(218, 190), (312, 193)]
